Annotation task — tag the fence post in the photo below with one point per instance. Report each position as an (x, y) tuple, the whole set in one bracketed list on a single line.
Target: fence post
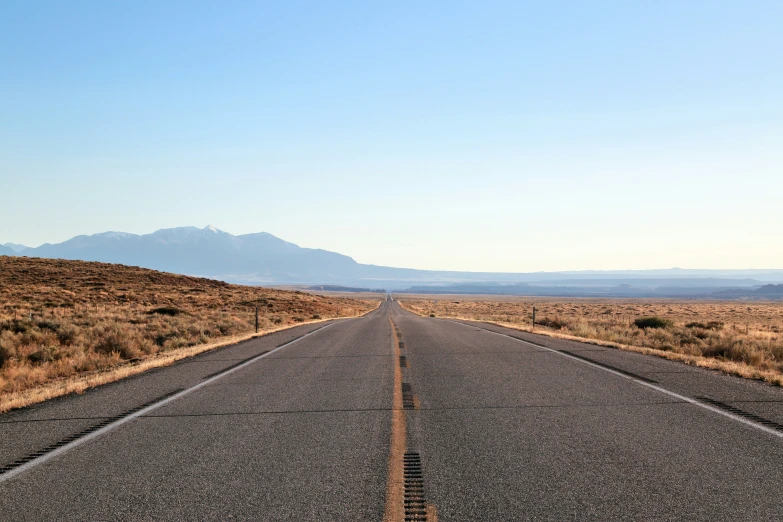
[(534, 317)]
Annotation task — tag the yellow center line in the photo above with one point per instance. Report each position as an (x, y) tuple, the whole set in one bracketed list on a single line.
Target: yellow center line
[(395, 486)]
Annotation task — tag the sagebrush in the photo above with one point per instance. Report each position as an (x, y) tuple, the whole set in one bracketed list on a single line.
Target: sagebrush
[(743, 332), (61, 318)]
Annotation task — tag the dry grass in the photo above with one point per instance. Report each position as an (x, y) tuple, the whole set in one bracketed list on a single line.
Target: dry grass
[(69, 325), (736, 337), (81, 382)]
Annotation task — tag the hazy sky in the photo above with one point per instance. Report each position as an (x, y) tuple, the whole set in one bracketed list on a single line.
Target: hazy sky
[(511, 136)]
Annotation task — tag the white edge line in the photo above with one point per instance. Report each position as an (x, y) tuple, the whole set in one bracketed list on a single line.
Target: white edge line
[(116, 424), (638, 381)]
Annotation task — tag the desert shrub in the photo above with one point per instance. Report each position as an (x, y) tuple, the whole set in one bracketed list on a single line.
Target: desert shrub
[(67, 335), (115, 341), (47, 325), (688, 339), (193, 330), (226, 328), (161, 339), (176, 342), (432, 315), (5, 355), (652, 322), (659, 336), (582, 329), (19, 327), (166, 310), (556, 323), (706, 335), (711, 325), (734, 350), (776, 352), (43, 355), (316, 316), (32, 337)]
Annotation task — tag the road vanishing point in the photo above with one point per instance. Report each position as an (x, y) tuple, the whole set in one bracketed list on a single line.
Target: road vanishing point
[(393, 417)]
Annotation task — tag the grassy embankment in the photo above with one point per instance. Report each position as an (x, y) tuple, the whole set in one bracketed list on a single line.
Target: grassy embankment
[(68, 325), (737, 337)]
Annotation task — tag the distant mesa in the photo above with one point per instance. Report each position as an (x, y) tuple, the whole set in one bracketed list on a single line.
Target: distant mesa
[(765, 291)]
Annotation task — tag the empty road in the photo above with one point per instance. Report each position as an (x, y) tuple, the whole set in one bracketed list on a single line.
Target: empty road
[(392, 416)]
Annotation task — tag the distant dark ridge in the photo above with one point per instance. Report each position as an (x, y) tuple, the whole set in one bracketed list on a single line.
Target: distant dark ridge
[(771, 289), (763, 292)]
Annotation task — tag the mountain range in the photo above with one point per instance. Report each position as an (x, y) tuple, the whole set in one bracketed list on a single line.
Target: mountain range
[(205, 252), (14, 247), (262, 258)]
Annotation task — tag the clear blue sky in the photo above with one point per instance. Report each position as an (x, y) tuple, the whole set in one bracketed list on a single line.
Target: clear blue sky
[(510, 136)]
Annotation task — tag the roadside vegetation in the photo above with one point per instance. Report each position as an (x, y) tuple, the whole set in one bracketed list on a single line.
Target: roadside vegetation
[(64, 319), (737, 337)]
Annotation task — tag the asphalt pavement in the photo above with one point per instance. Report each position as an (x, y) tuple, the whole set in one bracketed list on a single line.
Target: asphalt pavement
[(498, 425)]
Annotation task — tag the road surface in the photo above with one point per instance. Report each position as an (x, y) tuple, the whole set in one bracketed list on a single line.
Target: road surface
[(393, 415)]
